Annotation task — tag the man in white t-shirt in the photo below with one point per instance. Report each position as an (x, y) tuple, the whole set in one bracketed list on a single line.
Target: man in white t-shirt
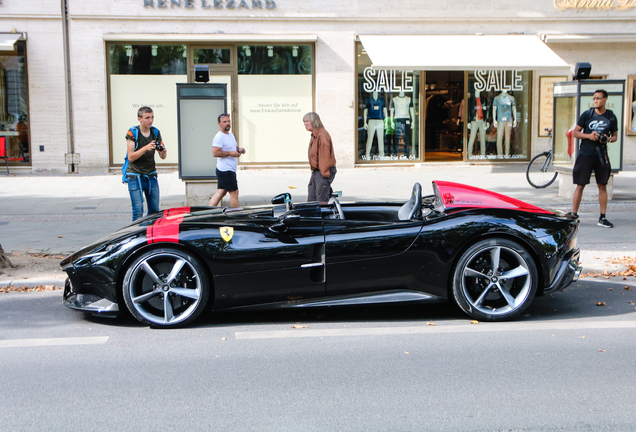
[(227, 152)]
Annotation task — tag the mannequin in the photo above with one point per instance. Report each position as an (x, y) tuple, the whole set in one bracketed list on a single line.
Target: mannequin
[(504, 114), (374, 114), (403, 114), (478, 122), (634, 117)]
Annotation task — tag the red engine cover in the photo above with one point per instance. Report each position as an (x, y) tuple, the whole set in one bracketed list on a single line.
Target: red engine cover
[(455, 195)]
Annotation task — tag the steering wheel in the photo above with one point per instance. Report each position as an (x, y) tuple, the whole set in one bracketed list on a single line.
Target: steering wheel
[(337, 208)]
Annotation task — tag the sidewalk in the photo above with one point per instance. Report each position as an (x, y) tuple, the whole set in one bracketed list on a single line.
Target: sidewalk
[(60, 214)]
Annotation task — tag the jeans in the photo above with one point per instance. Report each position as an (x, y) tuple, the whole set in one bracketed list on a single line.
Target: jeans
[(150, 188), (403, 129)]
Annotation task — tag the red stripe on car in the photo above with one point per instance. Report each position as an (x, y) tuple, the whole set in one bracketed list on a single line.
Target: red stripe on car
[(166, 229)]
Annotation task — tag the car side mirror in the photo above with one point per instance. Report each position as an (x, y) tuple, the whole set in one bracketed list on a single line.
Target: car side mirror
[(282, 198), (287, 220)]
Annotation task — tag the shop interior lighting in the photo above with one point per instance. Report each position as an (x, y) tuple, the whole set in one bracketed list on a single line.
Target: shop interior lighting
[(153, 50), (247, 50), (129, 50), (270, 51), (295, 51)]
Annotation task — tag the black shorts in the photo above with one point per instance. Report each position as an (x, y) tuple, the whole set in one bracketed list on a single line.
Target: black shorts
[(585, 165), (226, 180)]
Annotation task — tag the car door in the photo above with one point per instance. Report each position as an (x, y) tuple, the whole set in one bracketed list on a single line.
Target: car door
[(365, 256), (263, 265)]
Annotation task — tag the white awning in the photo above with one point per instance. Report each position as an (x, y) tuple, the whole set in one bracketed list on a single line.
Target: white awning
[(209, 37), (460, 52), (8, 40), (590, 38)]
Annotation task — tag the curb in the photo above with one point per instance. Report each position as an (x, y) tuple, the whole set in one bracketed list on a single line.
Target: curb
[(33, 283)]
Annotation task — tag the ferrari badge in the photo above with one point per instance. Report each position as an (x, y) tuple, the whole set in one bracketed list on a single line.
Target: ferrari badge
[(226, 233)]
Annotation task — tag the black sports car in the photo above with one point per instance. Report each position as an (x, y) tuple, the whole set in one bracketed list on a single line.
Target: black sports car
[(489, 253)]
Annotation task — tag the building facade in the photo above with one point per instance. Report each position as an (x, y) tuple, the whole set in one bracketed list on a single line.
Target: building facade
[(394, 82)]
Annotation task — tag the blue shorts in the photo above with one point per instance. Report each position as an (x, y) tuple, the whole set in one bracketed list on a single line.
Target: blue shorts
[(226, 180)]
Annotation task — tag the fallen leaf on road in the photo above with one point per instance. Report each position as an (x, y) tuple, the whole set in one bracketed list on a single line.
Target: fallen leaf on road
[(299, 326), (406, 352), (474, 322), (223, 338), (13, 288), (601, 350), (600, 304), (627, 288), (291, 187), (430, 323), (60, 237)]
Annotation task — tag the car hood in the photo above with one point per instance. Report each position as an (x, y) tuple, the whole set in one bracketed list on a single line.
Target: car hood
[(164, 226)]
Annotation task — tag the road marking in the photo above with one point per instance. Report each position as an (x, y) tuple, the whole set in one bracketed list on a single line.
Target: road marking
[(427, 329), (15, 343)]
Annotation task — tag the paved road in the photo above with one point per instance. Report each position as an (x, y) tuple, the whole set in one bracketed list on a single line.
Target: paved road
[(564, 366)]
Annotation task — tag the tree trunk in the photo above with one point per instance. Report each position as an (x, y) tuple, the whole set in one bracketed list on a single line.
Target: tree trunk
[(4, 260)]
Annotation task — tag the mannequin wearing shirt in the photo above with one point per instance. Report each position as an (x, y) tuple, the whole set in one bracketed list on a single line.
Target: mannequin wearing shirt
[(504, 114), (403, 114), (477, 122), (374, 114)]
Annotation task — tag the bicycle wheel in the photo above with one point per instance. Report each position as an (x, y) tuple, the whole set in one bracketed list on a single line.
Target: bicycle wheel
[(541, 172)]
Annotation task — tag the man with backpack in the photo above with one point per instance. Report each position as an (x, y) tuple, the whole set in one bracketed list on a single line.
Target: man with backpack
[(595, 128), (139, 169)]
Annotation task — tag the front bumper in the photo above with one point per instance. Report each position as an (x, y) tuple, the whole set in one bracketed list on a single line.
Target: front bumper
[(91, 303), (569, 271)]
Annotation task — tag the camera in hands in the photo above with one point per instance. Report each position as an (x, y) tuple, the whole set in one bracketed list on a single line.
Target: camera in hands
[(159, 146)]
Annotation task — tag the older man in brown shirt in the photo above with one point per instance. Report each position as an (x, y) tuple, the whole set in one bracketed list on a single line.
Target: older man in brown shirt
[(322, 159)]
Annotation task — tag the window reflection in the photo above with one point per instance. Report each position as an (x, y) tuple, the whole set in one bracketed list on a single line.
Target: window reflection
[(14, 125)]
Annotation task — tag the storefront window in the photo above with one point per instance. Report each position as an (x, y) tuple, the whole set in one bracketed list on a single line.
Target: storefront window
[(211, 55), (147, 59), (275, 59), (388, 113), (275, 90), (565, 121), (498, 114), (145, 75), (14, 123)]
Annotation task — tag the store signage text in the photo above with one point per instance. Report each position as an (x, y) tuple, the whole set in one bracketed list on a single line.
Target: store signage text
[(497, 80), (208, 4), (387, 80), (595, 4)]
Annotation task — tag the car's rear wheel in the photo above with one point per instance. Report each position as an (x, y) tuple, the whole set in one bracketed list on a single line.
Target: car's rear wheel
[(166, 288), (495, 280)]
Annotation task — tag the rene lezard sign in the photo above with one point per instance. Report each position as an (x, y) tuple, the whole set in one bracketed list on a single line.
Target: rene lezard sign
[(595, 4)]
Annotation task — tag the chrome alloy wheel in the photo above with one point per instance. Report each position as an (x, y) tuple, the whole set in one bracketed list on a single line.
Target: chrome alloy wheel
[(165, 288), (497, 280)]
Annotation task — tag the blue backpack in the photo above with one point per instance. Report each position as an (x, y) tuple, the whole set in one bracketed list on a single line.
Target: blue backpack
[(154, 133)]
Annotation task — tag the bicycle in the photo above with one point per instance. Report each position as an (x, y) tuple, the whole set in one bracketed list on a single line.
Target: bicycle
[(541, 172)]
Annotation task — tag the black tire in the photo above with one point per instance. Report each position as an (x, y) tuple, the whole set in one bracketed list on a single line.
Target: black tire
[(166, 288), (494, 280), (540, 172)]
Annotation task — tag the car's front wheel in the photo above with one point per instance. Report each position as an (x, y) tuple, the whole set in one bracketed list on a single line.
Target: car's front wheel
[(495, 280), (166, 288)]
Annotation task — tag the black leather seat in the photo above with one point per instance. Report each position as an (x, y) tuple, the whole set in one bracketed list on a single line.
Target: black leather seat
[(412, 209)]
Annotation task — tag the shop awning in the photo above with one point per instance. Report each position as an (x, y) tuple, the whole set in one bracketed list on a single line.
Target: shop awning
[(208, 37), (8, 40), (460, 52)]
